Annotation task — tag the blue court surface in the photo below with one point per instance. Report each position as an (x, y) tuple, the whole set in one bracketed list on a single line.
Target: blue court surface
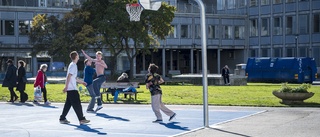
[(114, 120)]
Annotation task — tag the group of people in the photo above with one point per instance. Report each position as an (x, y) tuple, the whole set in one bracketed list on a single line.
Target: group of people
[(153, 81), (15, 77), (18, 79)]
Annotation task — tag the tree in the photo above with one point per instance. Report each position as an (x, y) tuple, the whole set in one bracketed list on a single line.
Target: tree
[(118, 30), (103, 23), (59, 37)]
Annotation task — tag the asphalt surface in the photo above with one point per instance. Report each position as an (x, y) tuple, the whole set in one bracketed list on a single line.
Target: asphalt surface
[(274, 122), (114, 120)]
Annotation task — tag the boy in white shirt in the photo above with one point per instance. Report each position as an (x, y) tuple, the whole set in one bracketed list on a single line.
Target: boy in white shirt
[(73, 97)]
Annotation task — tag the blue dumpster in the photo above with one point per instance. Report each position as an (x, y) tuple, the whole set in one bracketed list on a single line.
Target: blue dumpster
[(289, 69)]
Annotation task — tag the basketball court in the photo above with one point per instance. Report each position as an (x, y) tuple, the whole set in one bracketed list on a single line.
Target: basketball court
[(115, 120)]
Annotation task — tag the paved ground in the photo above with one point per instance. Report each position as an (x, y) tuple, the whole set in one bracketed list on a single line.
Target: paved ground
[(274, 122), (114, 120)]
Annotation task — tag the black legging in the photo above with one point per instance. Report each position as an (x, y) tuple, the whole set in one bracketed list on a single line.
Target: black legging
[(23, 96), (13, 95), (44, 93)]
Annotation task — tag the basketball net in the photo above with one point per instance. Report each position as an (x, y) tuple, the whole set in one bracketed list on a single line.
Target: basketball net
[(134, 11)]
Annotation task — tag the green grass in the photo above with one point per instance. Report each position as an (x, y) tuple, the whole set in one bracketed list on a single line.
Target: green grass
[(255, 94)]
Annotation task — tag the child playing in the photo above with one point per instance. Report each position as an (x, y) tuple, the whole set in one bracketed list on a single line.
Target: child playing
[(153, 81)]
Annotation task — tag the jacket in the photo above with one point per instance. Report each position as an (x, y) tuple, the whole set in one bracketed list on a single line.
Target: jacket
[(21, 76), (10, 79), (41, 79)]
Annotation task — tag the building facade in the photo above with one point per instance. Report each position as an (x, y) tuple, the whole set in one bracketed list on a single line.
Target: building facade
[(236, 30)]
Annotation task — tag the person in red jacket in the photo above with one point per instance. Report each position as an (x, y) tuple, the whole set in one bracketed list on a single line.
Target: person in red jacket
[(40, 81)]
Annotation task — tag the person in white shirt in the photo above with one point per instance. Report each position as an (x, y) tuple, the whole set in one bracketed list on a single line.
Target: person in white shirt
[(73, 97)]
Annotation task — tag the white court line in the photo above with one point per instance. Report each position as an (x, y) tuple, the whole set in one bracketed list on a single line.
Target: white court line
[(212, 126)]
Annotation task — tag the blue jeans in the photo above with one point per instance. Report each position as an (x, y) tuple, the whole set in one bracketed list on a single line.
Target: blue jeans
[(93, 97), (115, 98), (96, 87)]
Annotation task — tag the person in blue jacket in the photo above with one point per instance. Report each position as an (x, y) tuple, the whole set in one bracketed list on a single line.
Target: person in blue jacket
[(88, 78)]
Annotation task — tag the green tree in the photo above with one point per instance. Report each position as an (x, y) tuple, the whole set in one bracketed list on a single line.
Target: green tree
[(103, 23), (59, 37), (112, 20)]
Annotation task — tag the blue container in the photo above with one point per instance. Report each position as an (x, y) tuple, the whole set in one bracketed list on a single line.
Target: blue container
[(290, 69)]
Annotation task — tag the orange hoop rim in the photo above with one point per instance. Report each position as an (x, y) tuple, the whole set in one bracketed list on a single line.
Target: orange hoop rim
[(133, 5)]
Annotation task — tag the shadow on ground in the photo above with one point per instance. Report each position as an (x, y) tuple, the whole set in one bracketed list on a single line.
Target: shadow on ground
[(111, 117), (174, 125), (88, 129)]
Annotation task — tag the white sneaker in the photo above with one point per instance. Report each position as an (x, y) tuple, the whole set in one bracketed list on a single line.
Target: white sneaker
[(47, 103), (98, 108)]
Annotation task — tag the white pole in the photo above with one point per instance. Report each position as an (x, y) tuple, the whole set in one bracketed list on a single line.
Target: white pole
[(204, 62)]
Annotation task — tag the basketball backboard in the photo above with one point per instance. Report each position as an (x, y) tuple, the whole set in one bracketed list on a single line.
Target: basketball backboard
[(150, 4)]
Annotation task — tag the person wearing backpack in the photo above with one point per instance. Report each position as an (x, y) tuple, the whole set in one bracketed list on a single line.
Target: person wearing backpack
[(153, 81)]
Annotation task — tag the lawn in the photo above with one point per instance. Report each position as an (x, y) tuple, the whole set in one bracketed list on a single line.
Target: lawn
[(254, 94)]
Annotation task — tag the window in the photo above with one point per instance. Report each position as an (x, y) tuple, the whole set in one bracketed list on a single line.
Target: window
[(221, 4), (24, 27), (277, 1), (227, 31), (265, 2), (290, 52), (253, 53), (211, 31), (231, 55), (303, 24), (241, 3), (277, 26), (264, 27), (303, 52), (197, 31), (290, 1), (265, 52), (8, 27), (290, 25), (253, 3), (231, 4), (239, 32), (184, 31), (316, 22), (217, 32), (253, 27), (277, 52), (173, 33)]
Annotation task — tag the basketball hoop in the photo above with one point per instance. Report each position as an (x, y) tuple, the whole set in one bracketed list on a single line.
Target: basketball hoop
[(134, 11)]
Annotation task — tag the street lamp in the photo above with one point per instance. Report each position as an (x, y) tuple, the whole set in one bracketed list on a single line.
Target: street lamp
[(296, 38)]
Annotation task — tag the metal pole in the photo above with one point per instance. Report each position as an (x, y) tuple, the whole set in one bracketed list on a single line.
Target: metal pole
[(296, 45), (204, 62)]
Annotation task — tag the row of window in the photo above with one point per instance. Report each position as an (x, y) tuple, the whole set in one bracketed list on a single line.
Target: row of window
[(226, 32), (280, 52), (232, 4), (7, 27), (293, 25), (267, 2), (213, 32)]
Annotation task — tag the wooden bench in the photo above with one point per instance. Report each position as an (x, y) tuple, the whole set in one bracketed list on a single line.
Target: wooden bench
[(119, 85)]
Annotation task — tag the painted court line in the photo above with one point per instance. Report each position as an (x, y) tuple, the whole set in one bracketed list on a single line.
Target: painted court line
[(213, 125)]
